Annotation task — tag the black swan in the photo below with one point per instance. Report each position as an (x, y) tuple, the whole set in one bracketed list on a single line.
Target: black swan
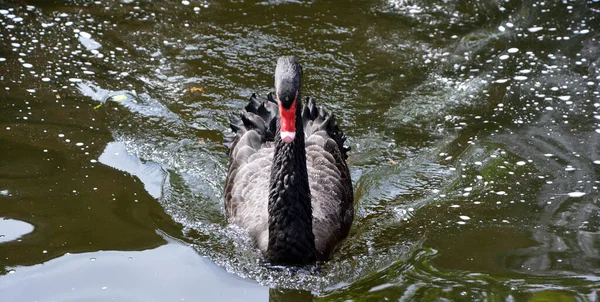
[(288, 183)]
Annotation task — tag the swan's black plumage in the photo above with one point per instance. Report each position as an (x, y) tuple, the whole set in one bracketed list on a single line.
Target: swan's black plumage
[(295, 199)]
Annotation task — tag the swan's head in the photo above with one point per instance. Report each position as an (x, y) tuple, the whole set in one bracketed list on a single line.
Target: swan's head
[(288, 82)]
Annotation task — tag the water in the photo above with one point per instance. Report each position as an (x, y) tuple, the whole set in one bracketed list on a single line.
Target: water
[(474, 129)]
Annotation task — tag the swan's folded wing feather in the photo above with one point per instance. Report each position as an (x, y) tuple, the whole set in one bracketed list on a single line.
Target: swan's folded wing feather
[(250, 159), (247, 203), (329, 177), (331, 191)]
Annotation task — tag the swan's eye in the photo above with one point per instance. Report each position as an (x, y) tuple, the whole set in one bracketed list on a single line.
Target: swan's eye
[(287, 98)]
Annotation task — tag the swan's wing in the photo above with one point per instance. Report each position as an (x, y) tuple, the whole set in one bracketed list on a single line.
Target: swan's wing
[(329, 178), (250, 158)]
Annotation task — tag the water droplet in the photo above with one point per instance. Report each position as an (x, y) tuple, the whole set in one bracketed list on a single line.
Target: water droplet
[(463, 217), (564, 97), (520, 163), (576, 194), (513, 50), (535, 29), (92, 259), (500, 193)]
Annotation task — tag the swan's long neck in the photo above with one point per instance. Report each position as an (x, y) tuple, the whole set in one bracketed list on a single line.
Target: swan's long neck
[(291, 238)]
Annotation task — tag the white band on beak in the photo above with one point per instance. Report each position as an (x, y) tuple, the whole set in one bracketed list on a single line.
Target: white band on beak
[(287, 136)]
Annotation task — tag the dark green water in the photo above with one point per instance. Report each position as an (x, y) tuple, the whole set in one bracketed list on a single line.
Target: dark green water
[(474, 127)]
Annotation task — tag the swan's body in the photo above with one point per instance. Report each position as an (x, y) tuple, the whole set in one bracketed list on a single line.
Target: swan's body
[(288, 183)]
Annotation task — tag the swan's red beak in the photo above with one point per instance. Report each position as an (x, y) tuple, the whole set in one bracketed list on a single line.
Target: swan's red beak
[(287, 125)]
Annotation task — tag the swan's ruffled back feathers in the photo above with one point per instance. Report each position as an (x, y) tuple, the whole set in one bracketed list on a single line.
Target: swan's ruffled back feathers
[(262, 115), (316, 119)]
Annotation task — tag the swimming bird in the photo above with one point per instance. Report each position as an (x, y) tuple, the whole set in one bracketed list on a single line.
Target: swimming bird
[(288, 182)]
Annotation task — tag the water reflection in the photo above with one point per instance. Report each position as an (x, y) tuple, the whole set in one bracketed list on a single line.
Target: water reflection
[(172, 272), (151, 174), (11, 229)]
